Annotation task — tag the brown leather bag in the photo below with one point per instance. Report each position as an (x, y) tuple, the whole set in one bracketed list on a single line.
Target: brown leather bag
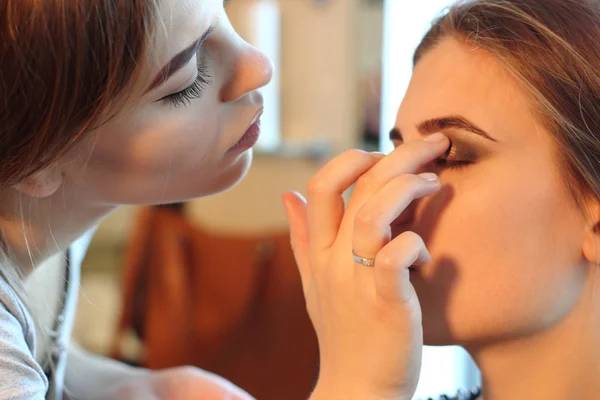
[(229, 305)]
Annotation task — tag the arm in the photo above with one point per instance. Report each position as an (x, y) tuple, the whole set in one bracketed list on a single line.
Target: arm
[(111, 380), (21, 377), (89, 373)]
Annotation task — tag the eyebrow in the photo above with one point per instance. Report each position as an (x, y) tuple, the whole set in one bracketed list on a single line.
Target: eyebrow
[(434, 125), (179, 61)]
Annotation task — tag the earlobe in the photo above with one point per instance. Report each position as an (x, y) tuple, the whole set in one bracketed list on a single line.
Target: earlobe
[(591, 245), (41, 184)]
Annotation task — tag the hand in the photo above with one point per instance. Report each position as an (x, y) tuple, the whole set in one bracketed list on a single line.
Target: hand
[(367, 319), (182, 383)]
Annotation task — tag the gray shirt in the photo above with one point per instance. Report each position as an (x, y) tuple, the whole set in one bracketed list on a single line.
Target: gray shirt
[(21, 376)]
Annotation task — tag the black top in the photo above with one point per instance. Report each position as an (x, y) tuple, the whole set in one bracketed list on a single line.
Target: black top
[(472, 394)]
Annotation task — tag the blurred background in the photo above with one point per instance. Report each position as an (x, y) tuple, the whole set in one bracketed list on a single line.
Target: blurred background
[(212, 282)]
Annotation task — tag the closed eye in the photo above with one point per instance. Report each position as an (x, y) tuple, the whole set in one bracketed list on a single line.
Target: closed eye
[(457, 156), (192, 92)]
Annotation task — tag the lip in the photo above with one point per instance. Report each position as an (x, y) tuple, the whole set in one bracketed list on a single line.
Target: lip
[(250, 136)]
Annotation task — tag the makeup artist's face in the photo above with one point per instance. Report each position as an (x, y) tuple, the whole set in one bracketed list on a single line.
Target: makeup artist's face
[(179, 136), (504, 233)]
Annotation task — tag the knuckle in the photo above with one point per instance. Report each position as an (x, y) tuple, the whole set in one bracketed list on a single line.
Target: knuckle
[(386, 261), (412, 244), (353, 157), (411, 238), (367, 217), (354, 153), (318, 184), (367, 183)]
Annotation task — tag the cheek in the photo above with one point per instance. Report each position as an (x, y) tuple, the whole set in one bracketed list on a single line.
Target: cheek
[(503, 250), (176, 142)]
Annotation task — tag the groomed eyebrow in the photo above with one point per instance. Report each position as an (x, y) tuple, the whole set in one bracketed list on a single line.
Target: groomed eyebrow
[(434, 125), (179, 61)]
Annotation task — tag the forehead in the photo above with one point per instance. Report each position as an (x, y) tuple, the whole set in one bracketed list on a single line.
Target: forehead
[(454, 78), (179, 23)]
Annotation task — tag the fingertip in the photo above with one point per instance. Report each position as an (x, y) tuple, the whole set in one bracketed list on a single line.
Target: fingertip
[(297, 196), (291, 199), (295, 208), (424, 257), (286, 198), (437, 137)]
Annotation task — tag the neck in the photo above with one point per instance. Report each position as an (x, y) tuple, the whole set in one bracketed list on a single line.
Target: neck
[(560, 362), (36, 228)]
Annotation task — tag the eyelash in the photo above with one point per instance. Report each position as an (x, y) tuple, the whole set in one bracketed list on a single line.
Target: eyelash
[(192, 92), (445, 162)]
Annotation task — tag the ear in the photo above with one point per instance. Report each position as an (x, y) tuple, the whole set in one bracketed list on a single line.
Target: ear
[(591, 241), (43, 183)]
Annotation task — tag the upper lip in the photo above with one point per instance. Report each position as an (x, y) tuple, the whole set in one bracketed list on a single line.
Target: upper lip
[(256, 118)]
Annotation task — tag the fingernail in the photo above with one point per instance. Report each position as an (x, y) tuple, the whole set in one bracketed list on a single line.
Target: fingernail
[(429, 177), (436, 137)]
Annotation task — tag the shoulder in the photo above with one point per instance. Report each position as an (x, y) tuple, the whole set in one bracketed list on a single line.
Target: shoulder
[(14, 315), (22, 376)]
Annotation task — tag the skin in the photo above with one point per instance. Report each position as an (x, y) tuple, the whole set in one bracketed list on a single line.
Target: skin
[(152, 151), (505, 300), (513, 256), (496, 257)]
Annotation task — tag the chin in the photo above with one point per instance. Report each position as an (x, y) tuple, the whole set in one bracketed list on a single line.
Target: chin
[(439, 331), (232, 174), (185, 188)]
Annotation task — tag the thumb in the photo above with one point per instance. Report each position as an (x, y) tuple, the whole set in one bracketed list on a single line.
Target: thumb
[(295, 208)]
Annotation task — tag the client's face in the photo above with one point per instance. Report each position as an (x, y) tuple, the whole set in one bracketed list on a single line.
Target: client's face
[(504, 233)]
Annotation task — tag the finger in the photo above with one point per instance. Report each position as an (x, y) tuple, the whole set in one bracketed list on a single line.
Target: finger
[(325, 189), (295, 207), (406, 159), (372, 231), (372, 222), (392, 275)]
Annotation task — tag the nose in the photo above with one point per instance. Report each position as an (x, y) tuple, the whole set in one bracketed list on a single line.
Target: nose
[(250, 69)]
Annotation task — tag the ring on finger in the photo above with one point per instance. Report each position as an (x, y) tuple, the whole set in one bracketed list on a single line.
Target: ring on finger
[(369, 262)]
